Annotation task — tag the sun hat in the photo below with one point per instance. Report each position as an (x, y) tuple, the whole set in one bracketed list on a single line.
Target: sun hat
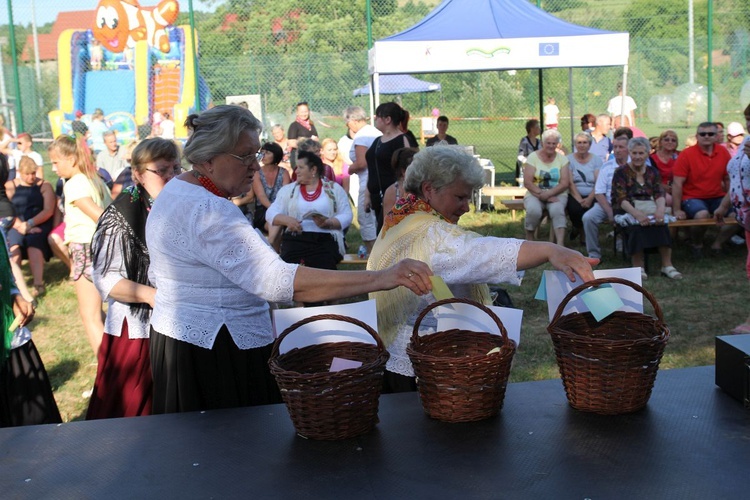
[(735, 129)]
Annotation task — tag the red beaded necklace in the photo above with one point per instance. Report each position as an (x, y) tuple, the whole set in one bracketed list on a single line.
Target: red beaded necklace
[(209, 185), (311, 196)]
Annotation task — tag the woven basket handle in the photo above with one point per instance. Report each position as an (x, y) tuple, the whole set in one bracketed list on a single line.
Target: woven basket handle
[(319, 317), (456, 300), (602, 281)]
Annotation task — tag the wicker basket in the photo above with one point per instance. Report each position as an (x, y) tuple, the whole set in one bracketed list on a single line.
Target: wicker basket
[(330, 405), (608, 367), (458, 380)]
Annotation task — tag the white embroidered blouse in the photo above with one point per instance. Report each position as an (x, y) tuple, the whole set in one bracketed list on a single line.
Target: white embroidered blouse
[(461, 261), (210, 268)]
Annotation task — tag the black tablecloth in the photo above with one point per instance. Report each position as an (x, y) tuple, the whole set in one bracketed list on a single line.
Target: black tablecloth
[(692, 441)]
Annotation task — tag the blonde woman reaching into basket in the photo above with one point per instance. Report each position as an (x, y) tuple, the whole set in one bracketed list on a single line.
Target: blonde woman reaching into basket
[(423, 226)]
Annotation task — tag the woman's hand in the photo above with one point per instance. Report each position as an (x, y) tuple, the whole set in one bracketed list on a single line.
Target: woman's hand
[(641, 217), (24, 309), (294, 225), (413, 274), (571, 263), (659, 216)]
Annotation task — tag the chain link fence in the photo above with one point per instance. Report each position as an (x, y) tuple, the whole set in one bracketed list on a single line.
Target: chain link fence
[(273, 54)]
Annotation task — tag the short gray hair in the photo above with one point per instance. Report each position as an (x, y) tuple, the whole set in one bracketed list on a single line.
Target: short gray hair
[(639, 141), (582, 135), (550, 132), (217, 130), (355, 114), (442, 165)]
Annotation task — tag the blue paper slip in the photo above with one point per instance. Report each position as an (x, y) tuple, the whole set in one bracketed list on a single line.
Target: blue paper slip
[(602, 301), (541, 292)]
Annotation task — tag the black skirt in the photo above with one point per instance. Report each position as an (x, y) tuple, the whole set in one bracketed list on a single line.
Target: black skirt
[(318, 250), (25, 392), (190, 378), (639, 238)]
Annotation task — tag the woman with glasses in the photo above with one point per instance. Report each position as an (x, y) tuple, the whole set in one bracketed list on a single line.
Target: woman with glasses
[(211, 331), (664, 159), (584, 168), (123, 377)]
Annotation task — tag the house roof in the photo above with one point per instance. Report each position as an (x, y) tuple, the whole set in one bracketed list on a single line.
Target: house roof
[(77, 19)]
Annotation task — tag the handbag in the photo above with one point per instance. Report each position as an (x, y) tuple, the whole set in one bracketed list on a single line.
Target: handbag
[(648, 207)]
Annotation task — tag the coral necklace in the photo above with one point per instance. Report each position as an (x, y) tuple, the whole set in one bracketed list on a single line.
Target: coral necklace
[(209, 185), (311, 196)]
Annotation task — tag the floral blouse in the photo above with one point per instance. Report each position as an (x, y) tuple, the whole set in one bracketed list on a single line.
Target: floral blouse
[(626, 187)]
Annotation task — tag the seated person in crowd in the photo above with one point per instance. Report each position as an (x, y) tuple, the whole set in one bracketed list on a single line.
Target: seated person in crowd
[(23, 148), (111, 158), (546, 178), (314, 212), (442, 136), (663, 159), (529, 143), (314, 147), (735, 136), (584, 167), (588, 123), (637, 190), (602, 211), (700, 174), (34, 203), (601, 145)]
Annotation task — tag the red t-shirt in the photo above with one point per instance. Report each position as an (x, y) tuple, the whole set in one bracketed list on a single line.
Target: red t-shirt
[(703, 173), (665, 169)]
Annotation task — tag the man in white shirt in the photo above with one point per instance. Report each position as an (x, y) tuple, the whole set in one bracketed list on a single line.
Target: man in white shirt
[(111, 158), (602, 209), (23, 148), (364, 136), (622, 105)]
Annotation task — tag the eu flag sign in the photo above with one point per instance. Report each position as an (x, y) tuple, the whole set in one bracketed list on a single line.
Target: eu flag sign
[(549, 49)]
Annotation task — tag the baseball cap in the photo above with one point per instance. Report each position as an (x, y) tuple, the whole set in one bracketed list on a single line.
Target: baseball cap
[(734, 129)]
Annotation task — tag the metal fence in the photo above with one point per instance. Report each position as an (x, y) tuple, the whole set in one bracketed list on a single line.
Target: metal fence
[(273, 54)]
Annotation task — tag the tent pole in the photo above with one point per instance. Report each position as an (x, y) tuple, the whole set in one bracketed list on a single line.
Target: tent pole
[(376, 90), (572, 112), (541, 99), (624, 93), (372, 99)]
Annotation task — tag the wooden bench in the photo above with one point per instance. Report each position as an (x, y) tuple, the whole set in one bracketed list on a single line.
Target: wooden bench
[(513, 205), (730, 220), (353, 259)]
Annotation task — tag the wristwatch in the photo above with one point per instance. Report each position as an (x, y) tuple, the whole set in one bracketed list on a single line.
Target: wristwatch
[(30, 223)]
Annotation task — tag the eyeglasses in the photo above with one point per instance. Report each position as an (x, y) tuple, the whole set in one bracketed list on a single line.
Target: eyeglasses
[(249, 158), (163, 172), (706, 134), (669, 139)]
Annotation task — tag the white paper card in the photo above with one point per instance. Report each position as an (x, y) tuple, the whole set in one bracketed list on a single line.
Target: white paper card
[(468, 317), (558, 286), (319, 332), (339, 364)]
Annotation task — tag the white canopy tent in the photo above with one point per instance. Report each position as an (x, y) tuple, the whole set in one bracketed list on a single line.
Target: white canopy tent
[(491, 35)]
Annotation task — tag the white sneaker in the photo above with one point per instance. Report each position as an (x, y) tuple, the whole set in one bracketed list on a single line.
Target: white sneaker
[(737, 240)]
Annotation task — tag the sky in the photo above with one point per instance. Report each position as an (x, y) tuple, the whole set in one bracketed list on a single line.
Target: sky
[(46, 10)]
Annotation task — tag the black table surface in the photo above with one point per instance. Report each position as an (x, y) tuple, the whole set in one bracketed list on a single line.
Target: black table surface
[(692, 441)]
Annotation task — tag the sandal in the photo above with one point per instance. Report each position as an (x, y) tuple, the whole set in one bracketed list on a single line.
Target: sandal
[(38, 291), (671, 273), (743, 329)]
